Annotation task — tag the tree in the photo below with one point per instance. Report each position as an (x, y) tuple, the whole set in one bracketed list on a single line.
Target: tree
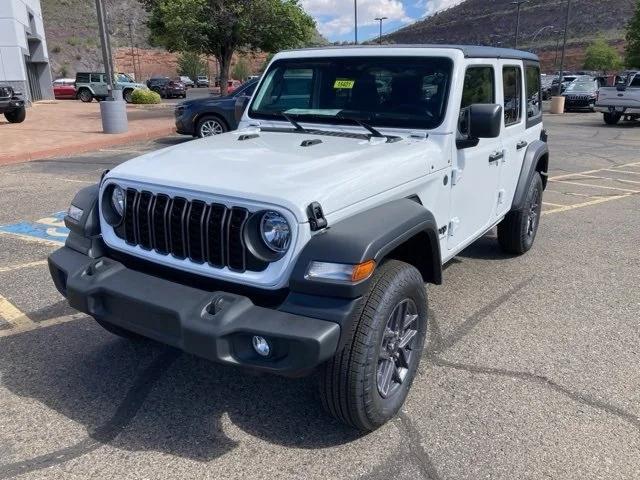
[(601, 56), (190, 64), (632, 58), (241, 69), (221, 27)]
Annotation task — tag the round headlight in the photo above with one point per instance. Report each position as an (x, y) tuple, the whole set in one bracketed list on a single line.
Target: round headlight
[(275, 231), (117, 200)]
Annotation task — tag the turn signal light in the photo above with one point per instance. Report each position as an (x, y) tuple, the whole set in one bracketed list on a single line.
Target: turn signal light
[(363, 270)]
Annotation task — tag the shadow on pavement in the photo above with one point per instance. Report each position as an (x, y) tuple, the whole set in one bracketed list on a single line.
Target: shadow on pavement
[(485, 248), (143, 396)]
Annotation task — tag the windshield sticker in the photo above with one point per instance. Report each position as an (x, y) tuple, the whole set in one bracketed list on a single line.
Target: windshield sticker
[(342, 83)]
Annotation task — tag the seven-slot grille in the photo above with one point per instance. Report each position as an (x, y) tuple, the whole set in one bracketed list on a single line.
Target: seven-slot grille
[(6, 92), (201, 232)]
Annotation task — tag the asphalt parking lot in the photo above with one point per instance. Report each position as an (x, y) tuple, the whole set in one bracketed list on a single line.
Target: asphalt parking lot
[(531, 367)]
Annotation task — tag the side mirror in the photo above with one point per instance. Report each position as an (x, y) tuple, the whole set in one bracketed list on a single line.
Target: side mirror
[(485, 120), (241, 104)]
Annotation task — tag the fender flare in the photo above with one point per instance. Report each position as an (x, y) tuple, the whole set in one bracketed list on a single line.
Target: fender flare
[(84, 234), (369, 235), (536, 151)]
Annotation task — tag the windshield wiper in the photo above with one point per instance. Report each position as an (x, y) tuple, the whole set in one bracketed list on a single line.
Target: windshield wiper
[(375, 133), (298, 127)]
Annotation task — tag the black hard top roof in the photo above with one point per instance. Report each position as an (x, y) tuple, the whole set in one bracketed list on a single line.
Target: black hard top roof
[(469, 51)]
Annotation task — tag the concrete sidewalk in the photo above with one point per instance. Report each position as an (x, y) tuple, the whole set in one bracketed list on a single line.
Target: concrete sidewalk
[(66, 127)]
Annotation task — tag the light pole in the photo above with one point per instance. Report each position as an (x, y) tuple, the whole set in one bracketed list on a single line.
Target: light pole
[(535, 36), (355, 16), (564, 46), (133, 56), (380, 19), (518, 3)]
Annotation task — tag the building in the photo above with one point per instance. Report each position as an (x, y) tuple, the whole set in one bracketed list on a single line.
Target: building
[(24, 60)]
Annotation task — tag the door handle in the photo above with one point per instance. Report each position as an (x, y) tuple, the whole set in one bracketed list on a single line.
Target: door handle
[(521, 145), (494, 157)]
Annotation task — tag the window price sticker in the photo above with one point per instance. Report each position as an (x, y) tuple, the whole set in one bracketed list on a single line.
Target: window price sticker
[(343, 84)]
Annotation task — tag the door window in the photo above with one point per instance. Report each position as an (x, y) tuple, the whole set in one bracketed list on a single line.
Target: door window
[(534, 107), (479, 87), (636, 81), (512, 82)]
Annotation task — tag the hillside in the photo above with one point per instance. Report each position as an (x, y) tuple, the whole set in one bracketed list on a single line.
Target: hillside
[(72, 38), (492, 22)]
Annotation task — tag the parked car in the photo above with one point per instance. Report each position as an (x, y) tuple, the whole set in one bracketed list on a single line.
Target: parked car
[(581, 94), (621, 101), (549, 86), (303, 241), (64, 88), (204, 117), (186, 80), (11, 105), (202, 81), (90, 85), (167, 88)]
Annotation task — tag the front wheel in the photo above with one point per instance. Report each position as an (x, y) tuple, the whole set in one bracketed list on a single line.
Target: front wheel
[(85, 95), (209, 126), (128, 96), (16, 116), (612, 118), (366, 383), (517, 232)]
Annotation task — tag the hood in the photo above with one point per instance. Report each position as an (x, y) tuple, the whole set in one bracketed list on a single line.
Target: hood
[(274, 168)]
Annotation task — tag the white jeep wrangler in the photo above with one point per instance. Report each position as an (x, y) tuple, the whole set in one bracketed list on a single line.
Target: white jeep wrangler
[(304, 239)]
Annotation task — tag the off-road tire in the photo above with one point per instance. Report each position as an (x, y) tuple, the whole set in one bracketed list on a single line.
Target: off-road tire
[(120, 332), (85, 95), (349, 386), (516, 233), (612, 118), (16, 116)]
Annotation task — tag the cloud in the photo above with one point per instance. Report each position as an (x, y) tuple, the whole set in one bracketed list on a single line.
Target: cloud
[(335, 17), (433, 6)]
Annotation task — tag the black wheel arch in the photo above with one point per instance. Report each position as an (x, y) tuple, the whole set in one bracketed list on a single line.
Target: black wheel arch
[(402, 229), (536, 160)]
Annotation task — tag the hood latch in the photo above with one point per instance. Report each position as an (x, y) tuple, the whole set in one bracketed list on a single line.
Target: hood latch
[(316, 217)]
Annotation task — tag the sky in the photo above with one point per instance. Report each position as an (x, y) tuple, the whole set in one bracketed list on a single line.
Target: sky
[(335, 18)]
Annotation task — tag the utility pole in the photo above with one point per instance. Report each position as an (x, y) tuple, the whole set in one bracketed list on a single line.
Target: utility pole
[(355, 15), (107, 59), (133, 56), (518, 3), (564, 47), (380, 19)]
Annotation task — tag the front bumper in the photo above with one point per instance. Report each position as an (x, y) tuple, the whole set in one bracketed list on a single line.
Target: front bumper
[(7, 105), (216, 325)]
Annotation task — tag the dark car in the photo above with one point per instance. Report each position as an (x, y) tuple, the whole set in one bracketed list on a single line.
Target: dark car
[(12, 105), (204, 117), (581, 94), (167, 88)]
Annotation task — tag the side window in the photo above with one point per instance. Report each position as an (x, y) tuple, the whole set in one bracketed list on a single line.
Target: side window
[(512, 82), (636, 81), (83, 78), (534, 107), (479, 87)]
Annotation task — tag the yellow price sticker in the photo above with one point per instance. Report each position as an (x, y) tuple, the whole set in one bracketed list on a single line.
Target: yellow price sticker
[(345, 84)]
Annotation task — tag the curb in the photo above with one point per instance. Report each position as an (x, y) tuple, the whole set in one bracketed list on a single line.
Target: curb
[(108, 141)]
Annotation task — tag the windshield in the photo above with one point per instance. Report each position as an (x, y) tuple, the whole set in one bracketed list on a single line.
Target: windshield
[(404, 92), (581, 87), (121, 77)]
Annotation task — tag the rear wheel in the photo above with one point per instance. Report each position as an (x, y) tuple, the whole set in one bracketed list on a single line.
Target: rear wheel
[(85, 95), (366, 383), (128, 96), (16, 116), (612, 118), (517, 232), (209, 126)]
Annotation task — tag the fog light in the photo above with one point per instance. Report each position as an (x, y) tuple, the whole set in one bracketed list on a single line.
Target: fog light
[(261, 346)]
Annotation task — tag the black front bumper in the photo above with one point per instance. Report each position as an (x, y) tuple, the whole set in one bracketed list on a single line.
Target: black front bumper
[(10, 104), (215, 325)]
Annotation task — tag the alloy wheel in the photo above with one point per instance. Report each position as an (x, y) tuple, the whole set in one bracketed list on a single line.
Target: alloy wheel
[(210, 128), (534, 214), (396, 348)]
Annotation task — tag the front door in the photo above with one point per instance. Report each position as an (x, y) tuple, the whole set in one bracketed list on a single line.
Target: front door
[(476, 172)]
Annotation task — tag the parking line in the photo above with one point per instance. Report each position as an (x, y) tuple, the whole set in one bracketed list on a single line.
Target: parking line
[(12, 268), (44, 324), (633, 164), (595, 186), (544, 203), (622, 171), (27, 238), (73, 180), (11, 314), (585, 204), (608, 179)]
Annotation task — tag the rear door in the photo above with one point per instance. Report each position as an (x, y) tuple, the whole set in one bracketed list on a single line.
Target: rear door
[(99, 84), (476, 173), (514, 134)]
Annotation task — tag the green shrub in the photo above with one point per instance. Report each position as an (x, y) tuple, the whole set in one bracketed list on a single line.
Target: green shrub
[(140, 96), (56, 49)]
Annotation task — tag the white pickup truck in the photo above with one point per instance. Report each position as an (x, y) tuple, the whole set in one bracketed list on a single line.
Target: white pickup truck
[(304, 239), (620, 101)]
